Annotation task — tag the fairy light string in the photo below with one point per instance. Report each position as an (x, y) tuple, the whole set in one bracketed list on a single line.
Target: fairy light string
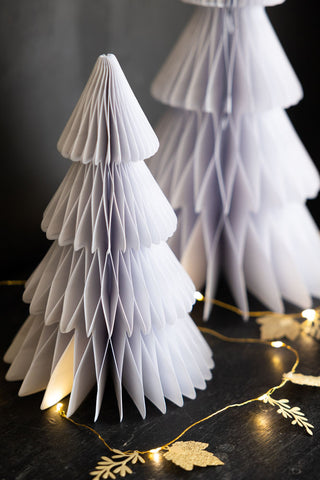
[(211, 415), (124, 457), (120, 460), (62, 413), (11, 283), (309, 314)]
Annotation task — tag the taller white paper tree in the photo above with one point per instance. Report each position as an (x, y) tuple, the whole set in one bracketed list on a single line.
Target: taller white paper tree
[(231, 163), (109, 294)]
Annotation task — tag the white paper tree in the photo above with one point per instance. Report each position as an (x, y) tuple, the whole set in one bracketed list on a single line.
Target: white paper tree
[(231, 163), (109, 294)]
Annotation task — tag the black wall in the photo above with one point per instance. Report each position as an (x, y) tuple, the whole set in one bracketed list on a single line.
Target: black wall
[(47, 52)]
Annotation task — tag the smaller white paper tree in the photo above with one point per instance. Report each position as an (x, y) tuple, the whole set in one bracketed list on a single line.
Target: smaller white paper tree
[(109, 294)]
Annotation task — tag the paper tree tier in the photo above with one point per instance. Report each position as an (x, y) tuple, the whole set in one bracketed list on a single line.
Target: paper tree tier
[(227, 62), (233, 3), (109, 297), (231, 163)]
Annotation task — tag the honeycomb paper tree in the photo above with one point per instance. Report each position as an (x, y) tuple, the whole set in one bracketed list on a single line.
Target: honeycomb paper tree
[(109, 294), (231, 163)]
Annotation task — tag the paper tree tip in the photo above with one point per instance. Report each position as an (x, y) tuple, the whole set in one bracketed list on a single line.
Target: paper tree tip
[(108, 59), (119, 130)]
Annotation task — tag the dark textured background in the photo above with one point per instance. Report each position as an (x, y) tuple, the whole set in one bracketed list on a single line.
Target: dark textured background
[(47, 52)]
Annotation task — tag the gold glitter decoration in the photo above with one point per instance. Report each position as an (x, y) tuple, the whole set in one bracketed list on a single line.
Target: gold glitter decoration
[(294, 413), (312, 328), (116, 465), (301, 379), (278, 326), (189, 454)]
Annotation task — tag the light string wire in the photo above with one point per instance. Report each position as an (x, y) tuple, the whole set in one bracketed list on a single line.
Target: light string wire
[(243, 313)]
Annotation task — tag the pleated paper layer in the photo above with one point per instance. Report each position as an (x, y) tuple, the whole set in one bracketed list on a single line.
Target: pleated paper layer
[(109, 207), (107, 124), (225, 61), (233, 3)]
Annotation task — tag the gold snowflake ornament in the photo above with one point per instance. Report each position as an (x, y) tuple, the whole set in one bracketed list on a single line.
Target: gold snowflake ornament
[(189, 454)]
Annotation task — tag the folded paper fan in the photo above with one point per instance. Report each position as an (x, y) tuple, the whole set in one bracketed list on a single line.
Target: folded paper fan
[(230, 162), (109, 297)]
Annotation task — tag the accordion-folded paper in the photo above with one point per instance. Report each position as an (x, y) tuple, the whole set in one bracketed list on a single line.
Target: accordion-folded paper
[(233, 3), (109, 297), (231, 163), (223, 55)]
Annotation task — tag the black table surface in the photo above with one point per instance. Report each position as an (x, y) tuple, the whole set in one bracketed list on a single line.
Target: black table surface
[(253, 441)]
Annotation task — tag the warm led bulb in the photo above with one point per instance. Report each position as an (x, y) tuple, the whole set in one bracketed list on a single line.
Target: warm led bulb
[(155, 456), (310, 314), (263, 397), (277, 344), (198, 296), (155, 450), (59, 407)]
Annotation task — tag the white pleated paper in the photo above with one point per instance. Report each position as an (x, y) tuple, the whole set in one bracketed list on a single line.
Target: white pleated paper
[(231, 163), (196, 74), (105, 126), (233, 3), (109, 297)]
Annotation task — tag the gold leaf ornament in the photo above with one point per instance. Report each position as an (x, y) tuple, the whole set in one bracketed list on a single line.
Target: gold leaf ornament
[(278, 326), (116, 465), (301, 379), (189, 454), (312, 328), (293, 413)]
